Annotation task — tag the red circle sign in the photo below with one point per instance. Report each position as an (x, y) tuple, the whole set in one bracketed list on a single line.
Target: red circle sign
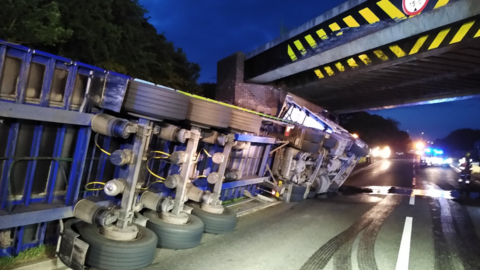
[(414, 7)]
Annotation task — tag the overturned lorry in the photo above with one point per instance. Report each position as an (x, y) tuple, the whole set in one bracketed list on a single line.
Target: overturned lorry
[(118, 166)]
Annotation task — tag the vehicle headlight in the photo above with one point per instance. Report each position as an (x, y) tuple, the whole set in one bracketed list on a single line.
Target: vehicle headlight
[(448, 161), (386, 152)]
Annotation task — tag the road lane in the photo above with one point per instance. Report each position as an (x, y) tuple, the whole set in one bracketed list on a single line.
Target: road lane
[(351, 229), (281, 237), (388, 172), (437, 177)]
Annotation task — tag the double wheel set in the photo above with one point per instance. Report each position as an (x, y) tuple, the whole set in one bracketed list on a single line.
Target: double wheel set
[(104, 253)]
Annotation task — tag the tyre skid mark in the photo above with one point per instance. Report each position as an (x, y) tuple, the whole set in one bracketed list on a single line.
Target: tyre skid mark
[(340, 247), (469, 243), (342, 260), (455, 239), (366, 246)]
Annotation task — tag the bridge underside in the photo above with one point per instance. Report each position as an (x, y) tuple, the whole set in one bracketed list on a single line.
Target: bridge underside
[(395, 61), (447, 74)]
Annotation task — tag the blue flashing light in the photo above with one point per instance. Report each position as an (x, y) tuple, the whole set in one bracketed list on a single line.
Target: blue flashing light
[(428, 150)]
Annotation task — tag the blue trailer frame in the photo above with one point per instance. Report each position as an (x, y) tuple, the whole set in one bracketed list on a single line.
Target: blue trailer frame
[(53, 140)]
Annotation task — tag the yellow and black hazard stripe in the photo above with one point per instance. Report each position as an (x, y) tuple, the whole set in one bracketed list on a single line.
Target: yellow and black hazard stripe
[(363, 15), (312, 40), (437, 39)]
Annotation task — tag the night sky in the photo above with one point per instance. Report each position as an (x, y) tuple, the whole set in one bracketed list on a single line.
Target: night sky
[(210, 30)]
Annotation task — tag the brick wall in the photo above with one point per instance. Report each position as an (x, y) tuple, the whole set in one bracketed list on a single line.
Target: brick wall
[(232, 89)]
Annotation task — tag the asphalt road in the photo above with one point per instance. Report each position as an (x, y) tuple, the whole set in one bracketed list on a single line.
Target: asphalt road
[(372, 223)]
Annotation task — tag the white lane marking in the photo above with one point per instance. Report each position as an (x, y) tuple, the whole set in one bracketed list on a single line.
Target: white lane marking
[(412, 199), (404, 252)]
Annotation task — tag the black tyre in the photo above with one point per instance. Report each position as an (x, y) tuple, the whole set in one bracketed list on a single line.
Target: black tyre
[(330, 143), (155, 101), (358, 151), (244, 121), (108, 254), (310, 147), (314, 136), (173, 236), (208, 113), (217, 223)]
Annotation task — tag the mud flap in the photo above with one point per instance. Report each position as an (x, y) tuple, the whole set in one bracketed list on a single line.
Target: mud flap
[(72, 250)]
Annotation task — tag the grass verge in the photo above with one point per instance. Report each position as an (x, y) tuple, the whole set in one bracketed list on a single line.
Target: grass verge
[(30, 255)]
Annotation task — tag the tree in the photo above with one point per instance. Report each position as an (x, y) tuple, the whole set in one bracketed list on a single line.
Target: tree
[(112, 34), (209, 89), (32, 22), (376, 130), (459, 140)]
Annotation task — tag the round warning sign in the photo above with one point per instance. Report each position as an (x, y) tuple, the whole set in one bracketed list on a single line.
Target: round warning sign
[(414, 7)]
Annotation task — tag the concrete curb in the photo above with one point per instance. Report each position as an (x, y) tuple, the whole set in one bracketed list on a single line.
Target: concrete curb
[(255, 209), (49, 264)]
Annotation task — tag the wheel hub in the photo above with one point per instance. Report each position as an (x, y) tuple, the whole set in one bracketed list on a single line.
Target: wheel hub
[(214, 209), (179, 219), (118, 234)]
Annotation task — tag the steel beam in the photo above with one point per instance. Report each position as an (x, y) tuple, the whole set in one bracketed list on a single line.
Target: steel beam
[(29, 112), (187, 167), (344, 7), (128, 197), (415, 102), (254, 139), (457, 11), (37, 213), (223, 166), (35, 216), (306, 90), (246, 182)]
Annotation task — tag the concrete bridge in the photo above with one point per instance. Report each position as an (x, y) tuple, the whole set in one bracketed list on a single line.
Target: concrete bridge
[(364, 54)]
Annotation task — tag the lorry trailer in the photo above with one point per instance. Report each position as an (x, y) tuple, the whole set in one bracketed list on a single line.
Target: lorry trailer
[(109, 167)]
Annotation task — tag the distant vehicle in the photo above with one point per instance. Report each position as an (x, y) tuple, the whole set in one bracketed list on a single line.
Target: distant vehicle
[(400, 153), (384, 152), (434, 157)]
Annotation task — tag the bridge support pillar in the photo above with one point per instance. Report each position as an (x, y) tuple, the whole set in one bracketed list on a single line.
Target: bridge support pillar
[(231, 87)]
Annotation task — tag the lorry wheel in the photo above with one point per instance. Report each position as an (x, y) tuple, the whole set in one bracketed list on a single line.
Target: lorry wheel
[(330, 143), (217, 223), (313, 136), (208, 113), (175, 236), (244, 121), (358, 151), (108, 254), (155, 101), (310, 147)]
